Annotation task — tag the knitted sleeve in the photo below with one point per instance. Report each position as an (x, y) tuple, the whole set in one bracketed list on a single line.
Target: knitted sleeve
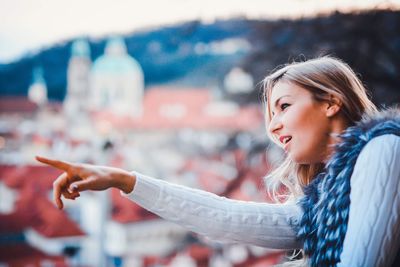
[(373, 233), (219, 218)]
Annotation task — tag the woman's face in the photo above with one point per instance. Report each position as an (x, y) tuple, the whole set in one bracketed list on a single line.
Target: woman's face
[(299, 123)]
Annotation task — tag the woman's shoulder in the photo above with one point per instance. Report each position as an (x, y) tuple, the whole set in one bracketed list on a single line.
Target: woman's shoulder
[(379, 159), (380, 153), (382, 146), (375, 138)]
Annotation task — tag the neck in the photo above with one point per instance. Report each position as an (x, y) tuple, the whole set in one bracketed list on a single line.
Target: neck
[(338, 126)]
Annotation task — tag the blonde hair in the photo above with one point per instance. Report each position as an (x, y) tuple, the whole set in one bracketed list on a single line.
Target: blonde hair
[(324, 77)]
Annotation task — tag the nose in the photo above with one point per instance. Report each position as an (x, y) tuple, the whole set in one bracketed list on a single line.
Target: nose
[(275, 125)]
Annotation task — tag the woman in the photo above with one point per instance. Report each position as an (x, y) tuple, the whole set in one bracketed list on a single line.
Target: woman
[(340, 170)]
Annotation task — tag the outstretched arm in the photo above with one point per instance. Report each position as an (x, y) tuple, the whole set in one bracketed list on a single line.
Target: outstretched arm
[(373, 232), (219, 218)]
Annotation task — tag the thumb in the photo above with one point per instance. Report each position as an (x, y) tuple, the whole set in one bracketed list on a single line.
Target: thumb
[(82, 185)]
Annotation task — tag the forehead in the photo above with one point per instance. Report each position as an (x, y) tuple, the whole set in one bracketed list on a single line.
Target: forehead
[(286, 88)]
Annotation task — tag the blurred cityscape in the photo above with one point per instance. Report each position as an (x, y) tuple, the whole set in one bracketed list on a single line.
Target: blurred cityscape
[(190, 136), (197, 120)]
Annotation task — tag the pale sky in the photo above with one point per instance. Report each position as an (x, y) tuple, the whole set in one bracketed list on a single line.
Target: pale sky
[(28, 25)]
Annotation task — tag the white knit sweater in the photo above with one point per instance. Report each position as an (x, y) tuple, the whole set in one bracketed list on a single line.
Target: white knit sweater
[(373, 235)]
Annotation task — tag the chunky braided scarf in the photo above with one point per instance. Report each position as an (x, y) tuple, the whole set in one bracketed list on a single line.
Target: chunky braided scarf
[(327, 198)]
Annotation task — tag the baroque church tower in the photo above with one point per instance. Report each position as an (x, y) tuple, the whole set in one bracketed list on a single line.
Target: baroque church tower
[(75, 103), (37, 91)]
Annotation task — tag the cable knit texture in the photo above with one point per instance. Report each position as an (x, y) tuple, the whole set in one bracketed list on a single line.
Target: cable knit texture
[(365, 171), (219, 218), (367, 230)]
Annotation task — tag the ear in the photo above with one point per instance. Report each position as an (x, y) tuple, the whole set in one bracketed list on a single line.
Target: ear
[(333, 107)]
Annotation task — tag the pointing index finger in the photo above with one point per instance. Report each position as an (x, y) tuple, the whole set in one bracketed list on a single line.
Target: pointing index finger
[(62, 165)]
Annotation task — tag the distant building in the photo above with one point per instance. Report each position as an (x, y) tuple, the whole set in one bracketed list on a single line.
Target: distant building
[(117, 81), (37, 92), (238, 81), (33, 232), (183, 135), (173, 109), (75, 103)]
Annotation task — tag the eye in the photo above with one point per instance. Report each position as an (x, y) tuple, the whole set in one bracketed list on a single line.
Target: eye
[(284, 106)]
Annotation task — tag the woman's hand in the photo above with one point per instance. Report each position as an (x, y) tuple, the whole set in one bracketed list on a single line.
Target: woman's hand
[(79, 177)]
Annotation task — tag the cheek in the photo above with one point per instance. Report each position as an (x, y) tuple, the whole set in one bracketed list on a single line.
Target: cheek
[(299, 119), (309, 130)]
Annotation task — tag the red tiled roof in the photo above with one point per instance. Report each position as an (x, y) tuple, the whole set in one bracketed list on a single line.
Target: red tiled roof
[(196, 99), (36, 176), (40, 139), (217, 184), (206, 178), (193, 101), (212, 182), (19, 255), (125, 211), (15, 222), (51, 222), (55, 106), (15, 104), (6, 170), (33, 208), (250, 174), (149, 261), (199, 252), (270, 259)]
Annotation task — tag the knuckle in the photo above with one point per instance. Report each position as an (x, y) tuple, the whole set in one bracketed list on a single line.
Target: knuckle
[(76, 168)]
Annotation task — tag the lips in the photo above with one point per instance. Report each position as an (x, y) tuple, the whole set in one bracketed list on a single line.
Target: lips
[(285, 140)]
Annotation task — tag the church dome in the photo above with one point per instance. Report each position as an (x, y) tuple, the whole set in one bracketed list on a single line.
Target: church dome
[(116, 60), (117, 81)]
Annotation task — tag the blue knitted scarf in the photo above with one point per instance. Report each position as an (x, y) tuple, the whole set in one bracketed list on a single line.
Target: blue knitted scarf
[(326, 199)]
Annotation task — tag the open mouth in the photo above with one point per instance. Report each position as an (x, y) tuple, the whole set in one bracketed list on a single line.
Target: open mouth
[(286, 140)]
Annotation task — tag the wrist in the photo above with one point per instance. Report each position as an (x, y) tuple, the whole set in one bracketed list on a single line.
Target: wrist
[(125, 181)]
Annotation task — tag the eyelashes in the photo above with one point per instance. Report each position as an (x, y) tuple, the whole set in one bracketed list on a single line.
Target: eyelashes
[(282, 107)]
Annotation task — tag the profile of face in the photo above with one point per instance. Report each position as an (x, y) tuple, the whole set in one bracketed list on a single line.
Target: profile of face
[(299, 123)]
